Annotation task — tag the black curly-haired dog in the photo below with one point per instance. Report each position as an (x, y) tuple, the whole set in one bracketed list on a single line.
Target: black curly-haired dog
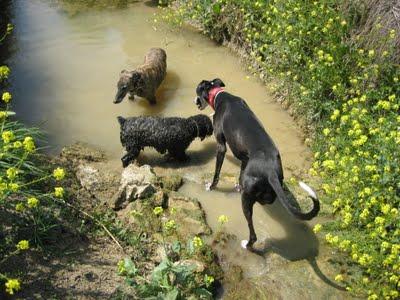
[(171, 134)]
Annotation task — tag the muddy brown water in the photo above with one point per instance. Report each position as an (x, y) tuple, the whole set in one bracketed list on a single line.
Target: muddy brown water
[(65, 71)]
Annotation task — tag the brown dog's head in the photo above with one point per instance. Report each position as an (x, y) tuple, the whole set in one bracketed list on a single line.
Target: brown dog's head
[(128, 82), (203, 90)]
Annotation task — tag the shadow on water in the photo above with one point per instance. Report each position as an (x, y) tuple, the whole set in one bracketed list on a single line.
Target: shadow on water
[(6, 48), (152, 3), (196, 158), (300, 241)]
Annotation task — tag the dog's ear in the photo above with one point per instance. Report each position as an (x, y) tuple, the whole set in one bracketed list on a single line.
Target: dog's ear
[(136, 77), (217, 82), (121, 120)]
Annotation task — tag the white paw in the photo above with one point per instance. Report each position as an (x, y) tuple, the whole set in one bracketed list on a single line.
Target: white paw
[(243, 243), (238, 188), (208, 186)]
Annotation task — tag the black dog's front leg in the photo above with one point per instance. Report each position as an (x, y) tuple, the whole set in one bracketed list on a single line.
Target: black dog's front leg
[(126, 160), (129, 157), (247, 206), (221, 150)]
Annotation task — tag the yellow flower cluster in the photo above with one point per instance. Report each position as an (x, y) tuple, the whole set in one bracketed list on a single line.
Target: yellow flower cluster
[(7, 136), (208, 280), (197, 242), (23, 245), (170, 226), (59, 192), (158, 210), (11, 173), (32, 202), (12, 286), (29, 144), (222, 219), (58, 173), (6, 97), (4, 72)]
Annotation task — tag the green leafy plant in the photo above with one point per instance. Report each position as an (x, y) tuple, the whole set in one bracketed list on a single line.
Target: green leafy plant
[(23, 195)]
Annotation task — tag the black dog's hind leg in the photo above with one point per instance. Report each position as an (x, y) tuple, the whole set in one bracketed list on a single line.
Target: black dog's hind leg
[(247, 206), (221, 150), (239, 185)]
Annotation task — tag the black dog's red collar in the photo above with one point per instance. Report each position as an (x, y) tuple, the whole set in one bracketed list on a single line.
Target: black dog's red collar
[(212, 94)]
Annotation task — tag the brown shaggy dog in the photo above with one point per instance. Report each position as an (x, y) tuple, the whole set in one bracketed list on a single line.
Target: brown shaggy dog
[(144, 80)]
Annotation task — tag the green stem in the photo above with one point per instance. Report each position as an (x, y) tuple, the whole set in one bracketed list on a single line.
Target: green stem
[(9, 255), (92, 218), (35, 181), (4, 120)]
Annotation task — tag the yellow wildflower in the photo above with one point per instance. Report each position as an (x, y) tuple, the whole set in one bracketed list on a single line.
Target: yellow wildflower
[(208, 279), (197, 242), (12, 285), (14, 187), (385, 208), (158, 210), (59, 192), (222, 219), (58, 173), (6, 97), (29, 144), (17, 144), (339, 277), (7, 136), (371, 53), (121, 267), (4, 72), (33, 202), (170, 226), (317, 228), (11, 173), (19, 207), (23, 245)]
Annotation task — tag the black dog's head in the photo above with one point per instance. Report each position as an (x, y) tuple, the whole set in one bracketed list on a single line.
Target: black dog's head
[(203, 90), (128, 82), (203, 124)]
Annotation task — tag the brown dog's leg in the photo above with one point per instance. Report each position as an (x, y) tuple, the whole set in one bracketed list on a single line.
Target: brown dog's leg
[(247, 206), (152, 100)]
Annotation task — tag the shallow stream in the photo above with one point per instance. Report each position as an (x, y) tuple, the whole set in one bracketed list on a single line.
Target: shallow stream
[(65, 70)]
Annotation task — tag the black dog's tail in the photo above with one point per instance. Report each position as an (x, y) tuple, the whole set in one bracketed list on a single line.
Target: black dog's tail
[(276, 185), (121, 120)]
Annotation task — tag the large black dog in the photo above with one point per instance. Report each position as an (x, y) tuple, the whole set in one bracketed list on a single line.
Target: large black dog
[(171, 134), (261, 174)]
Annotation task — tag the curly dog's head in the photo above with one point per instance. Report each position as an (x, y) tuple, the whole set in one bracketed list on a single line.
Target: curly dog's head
[(128, 82), (203, 124)]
